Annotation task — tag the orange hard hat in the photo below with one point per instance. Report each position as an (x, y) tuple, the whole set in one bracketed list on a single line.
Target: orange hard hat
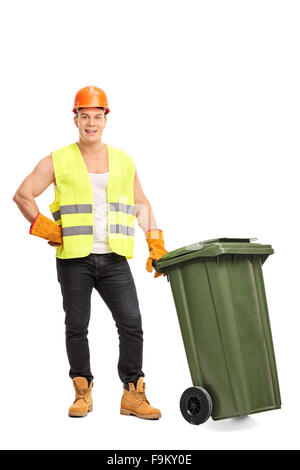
[(90, 97)]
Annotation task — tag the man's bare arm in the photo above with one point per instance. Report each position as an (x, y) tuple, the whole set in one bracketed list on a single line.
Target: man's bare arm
[(144, 213), (32, 186)]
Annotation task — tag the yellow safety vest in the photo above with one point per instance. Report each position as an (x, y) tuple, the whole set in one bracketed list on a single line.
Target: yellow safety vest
[(73, 204)]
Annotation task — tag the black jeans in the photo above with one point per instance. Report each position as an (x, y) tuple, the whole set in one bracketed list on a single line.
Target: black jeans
[(111, 276)]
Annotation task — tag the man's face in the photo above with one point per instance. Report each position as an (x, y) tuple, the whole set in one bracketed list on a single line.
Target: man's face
[(90, 123)]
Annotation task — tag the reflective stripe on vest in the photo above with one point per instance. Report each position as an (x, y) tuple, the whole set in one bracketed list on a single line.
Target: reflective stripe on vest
[(118, 206), (56, 215), (122, 229), (77, 209), (77, 230), (73, 209)]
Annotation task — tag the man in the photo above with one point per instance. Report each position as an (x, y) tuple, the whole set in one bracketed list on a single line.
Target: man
[(98, 195)]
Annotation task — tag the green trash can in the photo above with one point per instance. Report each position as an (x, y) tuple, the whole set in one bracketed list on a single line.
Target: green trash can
[(219, 294)]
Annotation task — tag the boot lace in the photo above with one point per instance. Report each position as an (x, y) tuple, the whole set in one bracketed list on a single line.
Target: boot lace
[(141, 396), (81, 393)]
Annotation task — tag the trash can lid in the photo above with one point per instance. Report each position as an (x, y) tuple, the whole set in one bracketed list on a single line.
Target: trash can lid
[(214, 247)]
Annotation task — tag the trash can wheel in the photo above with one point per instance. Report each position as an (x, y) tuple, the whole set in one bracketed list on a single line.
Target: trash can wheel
[(196, 405)]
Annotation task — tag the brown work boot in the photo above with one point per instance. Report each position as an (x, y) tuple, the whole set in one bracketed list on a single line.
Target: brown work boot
[(134, 402), (83, 400)]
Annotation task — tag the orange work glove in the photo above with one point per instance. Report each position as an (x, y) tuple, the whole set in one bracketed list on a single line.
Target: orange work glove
[(157, 249), (46, 228), (54, 244)]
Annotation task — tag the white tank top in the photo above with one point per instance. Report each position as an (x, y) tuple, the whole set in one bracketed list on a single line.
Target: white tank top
[(100, 242)]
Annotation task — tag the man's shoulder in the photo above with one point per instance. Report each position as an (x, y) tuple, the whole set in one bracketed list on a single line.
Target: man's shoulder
[(64, 149), (116, 149), (119, 151)]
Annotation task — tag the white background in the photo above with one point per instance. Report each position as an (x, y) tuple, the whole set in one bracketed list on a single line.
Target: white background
[(204, 96)]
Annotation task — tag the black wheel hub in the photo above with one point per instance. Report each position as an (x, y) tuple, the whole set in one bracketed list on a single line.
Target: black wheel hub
[(193, 406)]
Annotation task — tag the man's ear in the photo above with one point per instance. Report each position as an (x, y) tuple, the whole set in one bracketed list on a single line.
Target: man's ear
[(76, 121)]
